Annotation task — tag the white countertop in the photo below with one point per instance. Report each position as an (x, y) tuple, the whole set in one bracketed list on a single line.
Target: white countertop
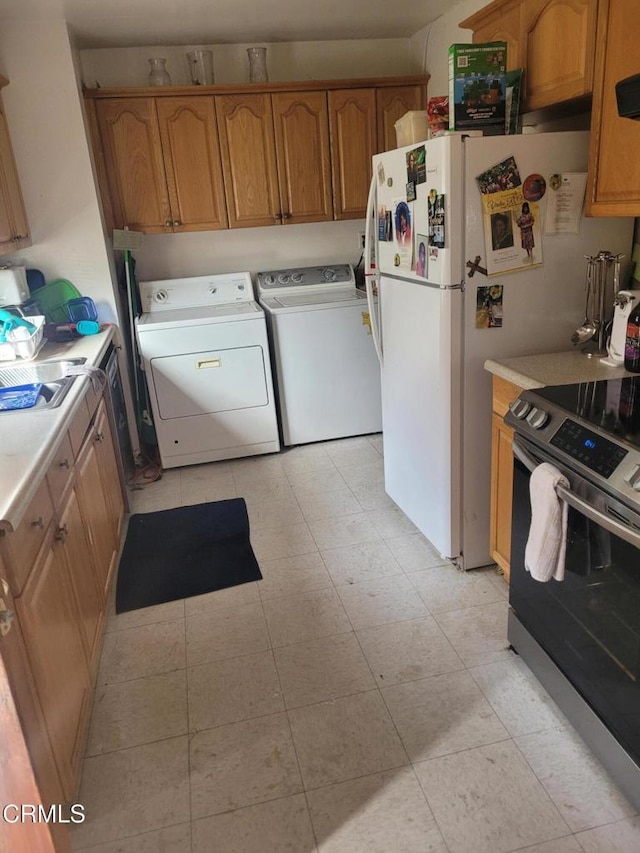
[(29, 439), (556, 368)]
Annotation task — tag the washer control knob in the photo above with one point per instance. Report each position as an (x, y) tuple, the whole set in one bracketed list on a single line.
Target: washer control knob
[(633, 478), (160, 296), (241, 287), (520, 408), (537, 418), (269, 279), (328, 274), (297, 277), (283, 279), (213, 290)]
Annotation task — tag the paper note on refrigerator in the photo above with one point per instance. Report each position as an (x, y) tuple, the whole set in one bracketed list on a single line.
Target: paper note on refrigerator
[(564, 202)]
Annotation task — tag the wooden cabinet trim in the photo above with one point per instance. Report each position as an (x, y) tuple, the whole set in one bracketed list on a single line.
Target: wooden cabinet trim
[(256, 88), (504, 393)]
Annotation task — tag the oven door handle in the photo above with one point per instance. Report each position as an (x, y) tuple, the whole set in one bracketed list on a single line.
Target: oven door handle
[(604, 521)]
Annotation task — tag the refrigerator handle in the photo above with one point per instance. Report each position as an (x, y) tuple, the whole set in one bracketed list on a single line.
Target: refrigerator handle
[(371, 277), (370, 242)]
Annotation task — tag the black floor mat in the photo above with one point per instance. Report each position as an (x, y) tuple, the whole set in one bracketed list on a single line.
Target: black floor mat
[(177, 553)]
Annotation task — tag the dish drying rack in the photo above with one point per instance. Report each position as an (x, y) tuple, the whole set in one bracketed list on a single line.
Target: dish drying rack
[(22, 344)]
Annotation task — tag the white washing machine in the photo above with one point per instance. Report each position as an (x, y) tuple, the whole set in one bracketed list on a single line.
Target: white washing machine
[(205, 354), (328, 375)]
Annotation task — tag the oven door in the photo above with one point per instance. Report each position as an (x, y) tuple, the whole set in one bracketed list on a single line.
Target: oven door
[(589, 623)]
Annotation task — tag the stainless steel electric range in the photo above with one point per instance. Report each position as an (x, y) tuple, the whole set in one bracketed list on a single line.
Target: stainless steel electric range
[(581, 636)]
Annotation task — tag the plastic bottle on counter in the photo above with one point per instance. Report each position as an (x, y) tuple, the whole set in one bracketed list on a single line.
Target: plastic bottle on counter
[(632, 342)]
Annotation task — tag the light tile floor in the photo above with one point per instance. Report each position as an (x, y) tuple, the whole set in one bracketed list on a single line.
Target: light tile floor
[(361, 697)]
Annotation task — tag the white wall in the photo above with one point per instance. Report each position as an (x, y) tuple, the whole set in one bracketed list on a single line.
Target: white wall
[(47, 131), (312, 60), (438, 36)]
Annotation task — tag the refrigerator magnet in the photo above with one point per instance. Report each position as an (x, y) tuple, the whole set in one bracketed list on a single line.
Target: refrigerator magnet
[(436, 215), (489, 306), (416, 166), (381, 175), (382, 223), (411, 191), (422, 241)]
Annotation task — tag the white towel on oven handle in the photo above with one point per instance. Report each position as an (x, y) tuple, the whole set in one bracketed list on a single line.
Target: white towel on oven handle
[(545, 552)]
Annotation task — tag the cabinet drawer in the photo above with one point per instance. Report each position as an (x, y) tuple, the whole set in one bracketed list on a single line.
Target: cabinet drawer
[(21, 547), (504, 393), (60, 470)]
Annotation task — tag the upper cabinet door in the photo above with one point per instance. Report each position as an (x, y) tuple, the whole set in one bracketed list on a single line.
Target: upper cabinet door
[(560, 38), (245, 126), (352, 124), (193, 168), (133, 162), (391, 104), (500, 21), (614, 164), (14, 228), (301, 128)]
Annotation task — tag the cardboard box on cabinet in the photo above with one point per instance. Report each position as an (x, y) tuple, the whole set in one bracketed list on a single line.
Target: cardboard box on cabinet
[(477, 86)]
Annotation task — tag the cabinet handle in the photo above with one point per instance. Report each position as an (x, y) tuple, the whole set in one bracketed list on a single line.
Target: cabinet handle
[(64, 464), (61, 533), (167, 223), (176, 222), (277, 216), (38, 522), (286, 216), (99, 437)]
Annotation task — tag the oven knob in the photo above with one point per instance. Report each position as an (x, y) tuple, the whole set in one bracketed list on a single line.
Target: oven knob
[(328, 274), (633, 478), (520, 408), (537, 418), (297, 277)]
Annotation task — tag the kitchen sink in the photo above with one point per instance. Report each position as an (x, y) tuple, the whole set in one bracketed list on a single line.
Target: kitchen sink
[(52, 374)]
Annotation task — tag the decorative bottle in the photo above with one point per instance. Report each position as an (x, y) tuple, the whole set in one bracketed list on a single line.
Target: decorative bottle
[(632, 342), (257, 64), (158, 76)]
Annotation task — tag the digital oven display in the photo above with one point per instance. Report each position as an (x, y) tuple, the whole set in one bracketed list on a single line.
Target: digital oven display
[(592, 450)]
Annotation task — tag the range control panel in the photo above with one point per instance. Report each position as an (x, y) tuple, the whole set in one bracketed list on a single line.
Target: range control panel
[(327, 276)]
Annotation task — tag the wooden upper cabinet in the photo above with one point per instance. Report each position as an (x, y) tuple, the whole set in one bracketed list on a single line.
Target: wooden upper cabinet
[(614, 165), (14, 227), (245, 125), (552, 40), (133, 164), (500, 21), (301, 127), (391, 104), (191, 156), (352, 125), (560, 37)]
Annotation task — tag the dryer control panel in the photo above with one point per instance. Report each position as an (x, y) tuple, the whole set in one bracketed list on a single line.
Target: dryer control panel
[(334, 275), (195, 292)]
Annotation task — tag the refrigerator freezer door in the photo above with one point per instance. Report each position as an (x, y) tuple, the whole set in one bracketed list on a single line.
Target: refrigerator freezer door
[(441, 175), (421, 328)]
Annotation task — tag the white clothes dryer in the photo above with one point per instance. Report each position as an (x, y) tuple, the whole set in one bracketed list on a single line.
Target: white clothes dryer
[(327, 372), (205, 353)]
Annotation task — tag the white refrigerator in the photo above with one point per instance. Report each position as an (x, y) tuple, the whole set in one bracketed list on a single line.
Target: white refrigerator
[(436, 396)]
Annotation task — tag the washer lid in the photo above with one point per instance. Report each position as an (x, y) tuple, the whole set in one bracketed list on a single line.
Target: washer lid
[(230, 312), (315, 299)]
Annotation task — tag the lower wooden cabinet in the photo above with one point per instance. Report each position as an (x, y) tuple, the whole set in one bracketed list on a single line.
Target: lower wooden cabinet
[(100, 496), (52, 649), (504, 393), (49, 621)]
